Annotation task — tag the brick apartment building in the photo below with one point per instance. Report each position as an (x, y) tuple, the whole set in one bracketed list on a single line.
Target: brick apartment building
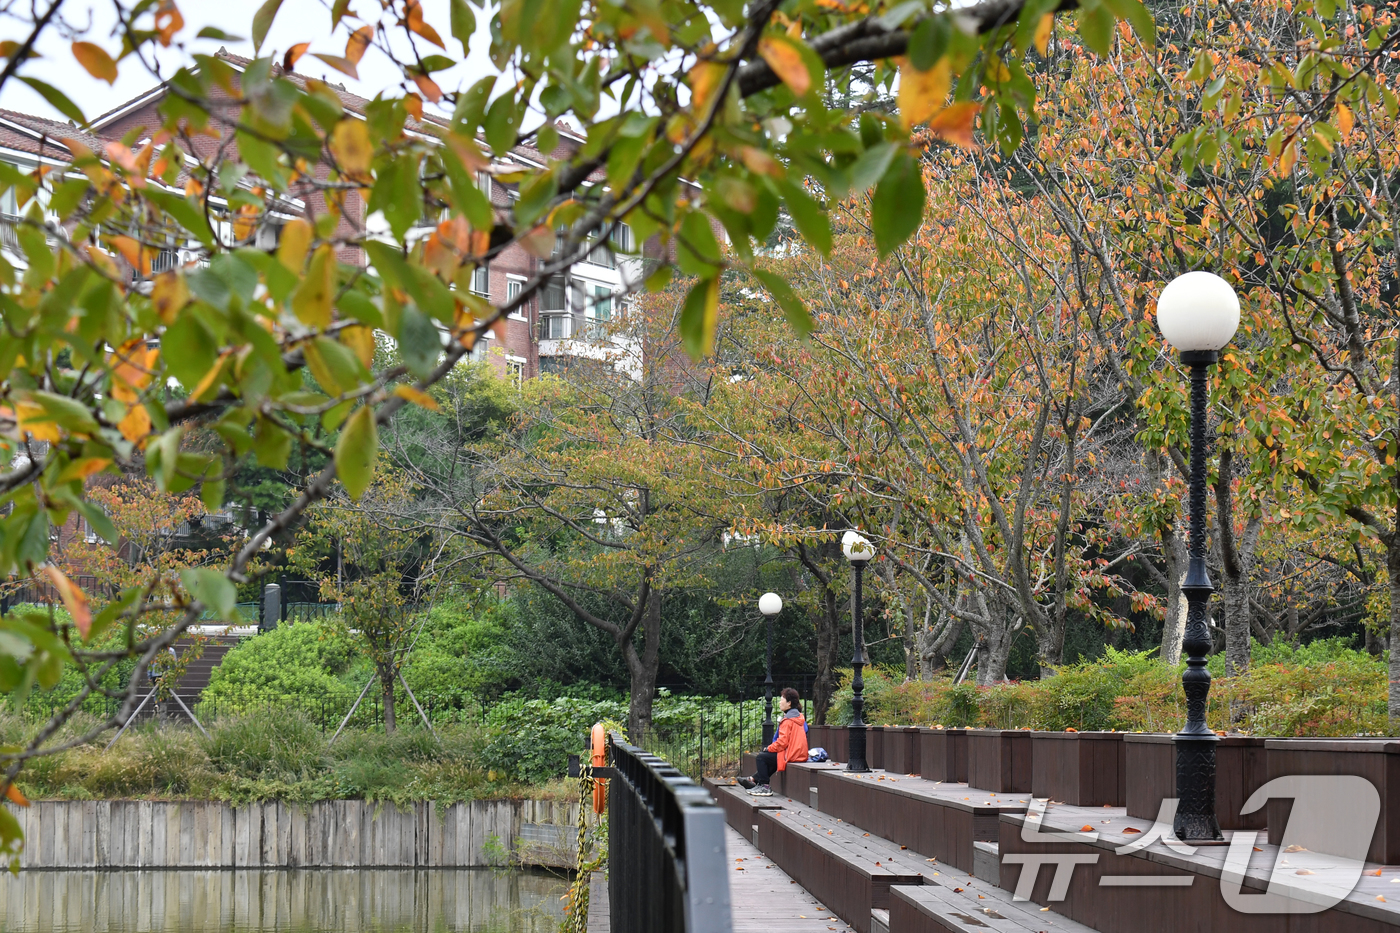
[(569, 319)]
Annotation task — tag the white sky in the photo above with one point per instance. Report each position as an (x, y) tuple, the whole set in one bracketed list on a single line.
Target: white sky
[(297, 21)]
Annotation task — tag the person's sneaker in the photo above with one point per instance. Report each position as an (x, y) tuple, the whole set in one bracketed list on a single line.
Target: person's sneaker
[(746, 783), (762, 790)]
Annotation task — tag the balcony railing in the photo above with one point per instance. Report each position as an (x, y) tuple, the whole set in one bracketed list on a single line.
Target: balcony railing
[(9, 235), (562, 325)]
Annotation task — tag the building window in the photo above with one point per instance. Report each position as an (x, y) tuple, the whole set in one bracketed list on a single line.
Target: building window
[(481, 350), (481, 280), (552, 295), (515, 372), (483, 181), (602, 302), (622, 238)]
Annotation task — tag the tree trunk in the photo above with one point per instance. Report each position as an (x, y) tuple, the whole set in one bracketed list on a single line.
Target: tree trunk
[(1050, 644), (994, 646), (386, 681), (935, 647), (642, 669), (828, 627)]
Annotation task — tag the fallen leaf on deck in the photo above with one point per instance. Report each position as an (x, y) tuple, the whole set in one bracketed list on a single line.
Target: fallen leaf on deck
[(1086, 828), (1131, 830)]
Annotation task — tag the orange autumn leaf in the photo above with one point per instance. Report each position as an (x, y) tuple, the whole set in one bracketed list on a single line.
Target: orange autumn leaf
[(168, 22), (83, 467), (12, 792), (421, 399), (430, 90), (361, 341), (414, 105), (342, 65), (74, 599), (1131, 830), (294, 54), (783, 56), (413, 19), (96, 60), (1344, 119), (358, 43), (129, 248), (704, 79), (1086, 829), (954, 123)]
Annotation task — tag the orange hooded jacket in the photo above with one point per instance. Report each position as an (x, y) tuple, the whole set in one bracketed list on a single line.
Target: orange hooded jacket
[(790, 743)]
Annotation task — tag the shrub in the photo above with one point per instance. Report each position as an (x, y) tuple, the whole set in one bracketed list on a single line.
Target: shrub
[(286, 746), (290, 662), (530, 740)]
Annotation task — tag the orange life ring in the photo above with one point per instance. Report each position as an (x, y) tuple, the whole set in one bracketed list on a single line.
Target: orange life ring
[(600, 759)]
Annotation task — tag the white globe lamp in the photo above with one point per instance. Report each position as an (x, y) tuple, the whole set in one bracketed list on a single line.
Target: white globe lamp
[(1198, 311), (856, 547), (770, 604)]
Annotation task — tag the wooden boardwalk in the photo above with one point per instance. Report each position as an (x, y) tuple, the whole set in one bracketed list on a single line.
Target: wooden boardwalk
[(766, 900)]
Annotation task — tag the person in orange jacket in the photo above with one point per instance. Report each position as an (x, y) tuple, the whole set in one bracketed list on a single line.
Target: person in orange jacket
[(790, 744)]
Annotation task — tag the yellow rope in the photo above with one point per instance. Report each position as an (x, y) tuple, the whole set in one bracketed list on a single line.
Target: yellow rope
[(576, 913)]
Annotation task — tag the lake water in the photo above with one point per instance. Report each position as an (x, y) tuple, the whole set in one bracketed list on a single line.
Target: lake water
[(289, 901)]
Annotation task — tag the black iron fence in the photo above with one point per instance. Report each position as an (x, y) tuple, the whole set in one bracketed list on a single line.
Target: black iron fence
[(668, 869)]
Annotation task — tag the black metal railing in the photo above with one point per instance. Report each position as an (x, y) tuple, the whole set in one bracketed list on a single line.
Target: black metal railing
[(668, 869)]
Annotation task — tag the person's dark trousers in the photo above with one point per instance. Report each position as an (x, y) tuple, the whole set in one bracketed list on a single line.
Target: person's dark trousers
[(767, 765)]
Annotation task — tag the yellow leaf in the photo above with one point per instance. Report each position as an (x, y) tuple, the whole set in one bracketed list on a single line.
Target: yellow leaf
[(430, 90), (74, 600), (1042, 32), (414, 105), (352, 148), (12, 792), (311, 302), (83, 467), (136, 425), (783, 56), (704, 79), (360, 340), (760, 162), (96, 60), (357, 44), (422, 399), (922, 93), (342, 65), (169, 294), (1287, 157), (296, 239), (955, 123), (32, 418), (1344, 119)]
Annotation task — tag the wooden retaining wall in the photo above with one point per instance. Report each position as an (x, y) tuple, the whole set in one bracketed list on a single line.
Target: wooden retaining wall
[(111, 834)]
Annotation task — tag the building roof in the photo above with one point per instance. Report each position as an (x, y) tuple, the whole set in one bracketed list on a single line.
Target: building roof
[(37, 136)]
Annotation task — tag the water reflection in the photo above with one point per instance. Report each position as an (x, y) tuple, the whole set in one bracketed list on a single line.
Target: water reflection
[(385, 901)]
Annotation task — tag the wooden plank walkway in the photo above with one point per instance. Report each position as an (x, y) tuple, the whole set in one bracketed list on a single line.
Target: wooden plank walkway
[(766, 900)]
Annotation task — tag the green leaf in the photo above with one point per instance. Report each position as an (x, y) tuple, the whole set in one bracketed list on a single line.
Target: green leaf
[(897, 208), (463, 24), (262, 22), (929, 42), (57, 98), (356, 451), (185, 213), (212, 588), (501, 122), (793, 309), (698, 252), (699, 317), (871, 166), (807, 215), (1096, 28), (214, 32), (420, 342)]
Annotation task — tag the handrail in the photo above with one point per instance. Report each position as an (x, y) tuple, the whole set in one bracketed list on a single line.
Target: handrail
[(667, 864)]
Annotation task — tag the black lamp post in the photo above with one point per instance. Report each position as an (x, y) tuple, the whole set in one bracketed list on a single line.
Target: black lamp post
[(1198, 314), (770, 604), (858, 551)]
